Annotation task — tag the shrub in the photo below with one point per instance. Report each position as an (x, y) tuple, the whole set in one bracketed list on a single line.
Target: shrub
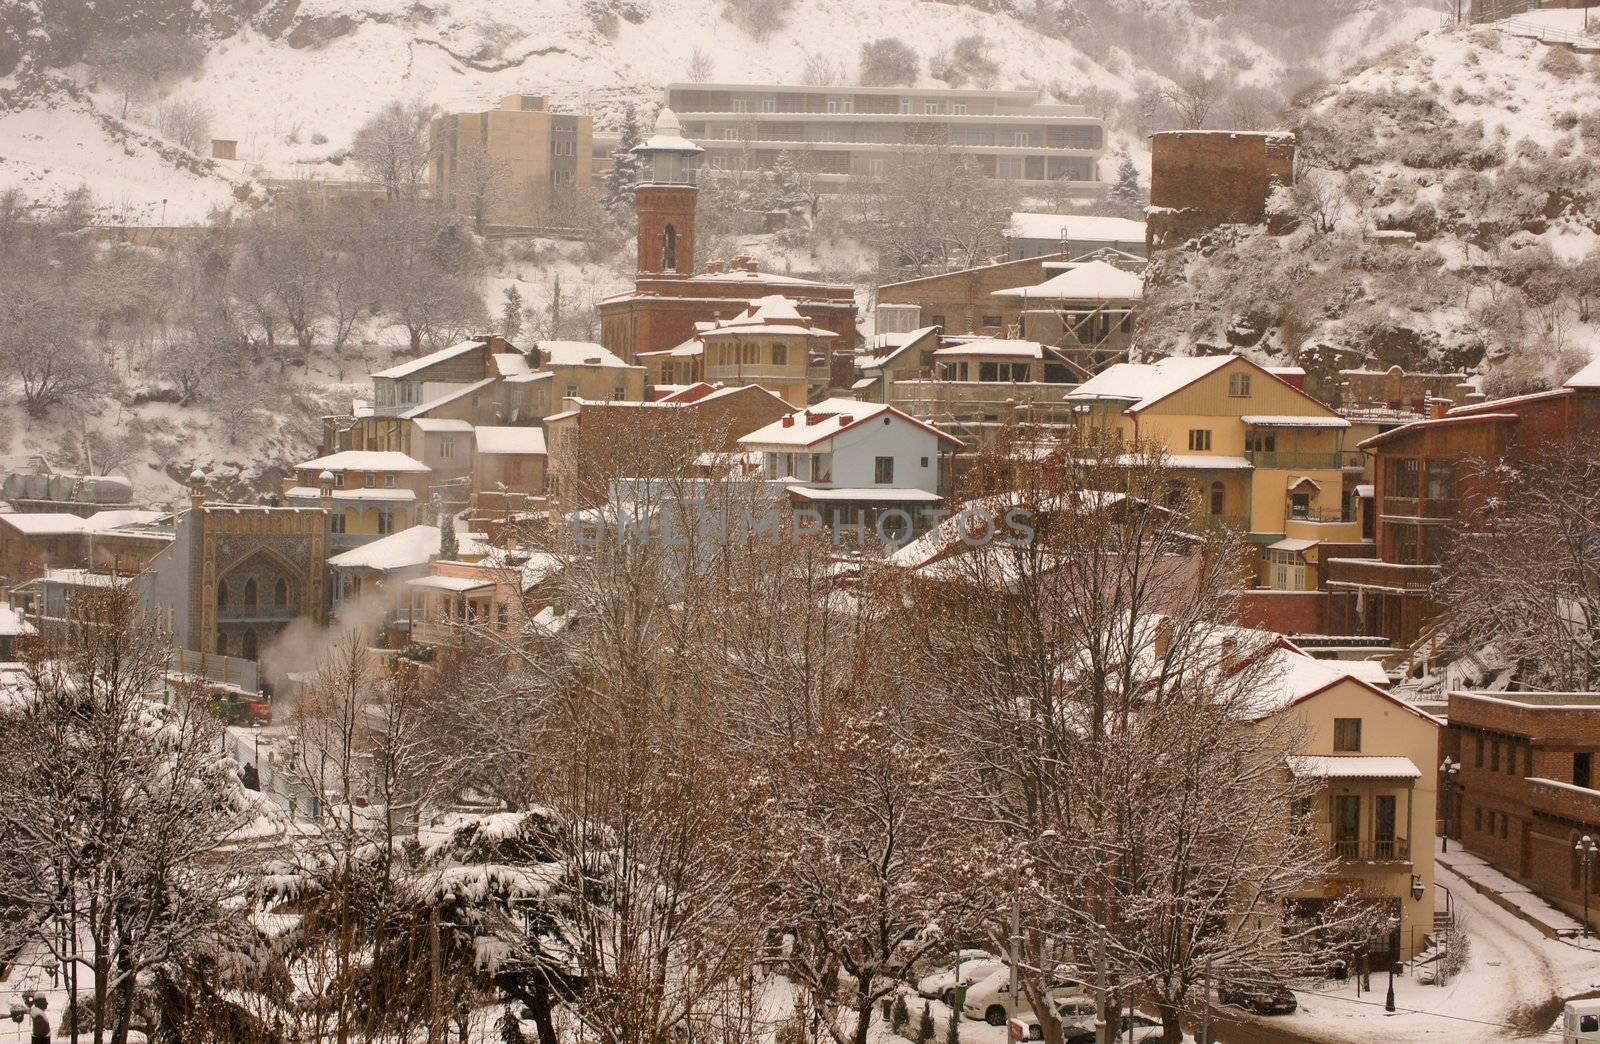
[(899, 1016), (967, 61), (1561, 63), (187, 123), (757, 18), (888, 62)]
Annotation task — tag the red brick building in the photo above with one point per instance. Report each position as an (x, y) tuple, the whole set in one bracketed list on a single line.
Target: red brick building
[(1526, 789), (1430, 473), (669, 297)]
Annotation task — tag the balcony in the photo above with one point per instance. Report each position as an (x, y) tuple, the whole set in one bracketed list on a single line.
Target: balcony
[(1291, 460), (1416, 507), (1397, 850), (1371, 572)]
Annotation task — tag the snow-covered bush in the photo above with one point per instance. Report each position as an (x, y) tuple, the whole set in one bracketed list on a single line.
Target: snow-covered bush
[(965, 62), (758, 19), (888, 62)]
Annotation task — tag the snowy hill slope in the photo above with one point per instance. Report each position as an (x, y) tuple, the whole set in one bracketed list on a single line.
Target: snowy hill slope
[(1480, 144)]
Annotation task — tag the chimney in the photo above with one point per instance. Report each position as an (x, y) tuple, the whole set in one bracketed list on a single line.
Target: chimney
[(197, 488), (788, 420), (1437, 408), (713, 267)]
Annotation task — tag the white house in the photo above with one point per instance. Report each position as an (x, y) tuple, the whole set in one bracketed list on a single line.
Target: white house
[(854, 460)]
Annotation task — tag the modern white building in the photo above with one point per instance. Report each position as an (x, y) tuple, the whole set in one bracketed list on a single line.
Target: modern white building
[(843, 133)]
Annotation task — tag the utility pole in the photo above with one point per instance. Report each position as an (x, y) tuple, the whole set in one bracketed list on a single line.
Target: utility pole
[(1205, 1010), (1016, 945)]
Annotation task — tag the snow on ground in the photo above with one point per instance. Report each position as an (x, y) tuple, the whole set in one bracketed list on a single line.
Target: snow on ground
[(48, 152), (1513, 971)]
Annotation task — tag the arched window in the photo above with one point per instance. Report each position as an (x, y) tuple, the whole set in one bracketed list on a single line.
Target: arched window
[(1219, 498), (250, 593), (222, 595), (280, 593), (222, 644), (250, 644), (669, 249)]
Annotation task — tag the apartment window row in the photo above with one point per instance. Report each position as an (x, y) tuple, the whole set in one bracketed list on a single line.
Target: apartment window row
[(1414, 544), (750, 353), (1492, 746), (1493, 824), (1410, 477), (563, 145)]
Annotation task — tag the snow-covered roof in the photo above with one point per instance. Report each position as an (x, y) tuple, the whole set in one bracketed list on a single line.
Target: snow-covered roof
[(994, 346), (773, 314), (577, 353), (1588, 377), (826, 419), (868, 494), (455, 584), (746, 276), (503, 440), (406, 549), (411, 366), (383, 493), (1353, 766), (667, 136), (460, 392), (1089, 281), (1145, 384), (1203, 462), (1295, 422), (511, 364), (43, 523), (1076, 226), (441, 424), (13, 624), (366, 460), (1293, 544), (104, 521)]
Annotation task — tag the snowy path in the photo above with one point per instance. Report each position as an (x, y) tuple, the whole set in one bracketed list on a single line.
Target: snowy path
[(1513, 984)]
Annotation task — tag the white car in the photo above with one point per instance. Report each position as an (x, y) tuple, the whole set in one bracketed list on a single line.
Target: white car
[(965, 967), (1077, 1013), (991, 1000)]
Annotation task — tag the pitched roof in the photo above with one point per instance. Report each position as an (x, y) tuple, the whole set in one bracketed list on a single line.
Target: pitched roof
[(365, 460), (1588, 377), (43, 523), (447, 397), (504, 440), (828, 418), (411, 366), (407, 548), (577, 353), (1086, 281), (998, 347), (1145, 384), (773, 314)]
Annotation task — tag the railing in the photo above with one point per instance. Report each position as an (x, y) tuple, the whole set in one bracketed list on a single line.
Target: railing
[(224, 670), (1418, 507), (1549, 34), (1396, 850), (1370, 572), (1320, 515), (1286, 459)]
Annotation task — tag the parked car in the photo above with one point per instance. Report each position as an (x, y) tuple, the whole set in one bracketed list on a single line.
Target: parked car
[(991, 1000), (1077, 1013), (1263, 998), (962, 968), (1144, 1029)]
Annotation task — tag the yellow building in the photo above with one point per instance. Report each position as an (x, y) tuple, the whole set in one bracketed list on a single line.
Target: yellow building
[(1264, 457), (366, 494), (770, 344), (1374, 756), (516, 163)]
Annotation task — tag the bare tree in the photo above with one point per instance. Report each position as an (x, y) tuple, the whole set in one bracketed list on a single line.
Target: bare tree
[(934, 211), (1193, 95), (480, 183), (393, 147), (135, 65), (186, 122)]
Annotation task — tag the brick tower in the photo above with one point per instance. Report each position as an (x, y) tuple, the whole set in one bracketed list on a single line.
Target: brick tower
[(665, 198)]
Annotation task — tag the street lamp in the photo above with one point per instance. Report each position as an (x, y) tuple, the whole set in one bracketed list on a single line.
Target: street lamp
[(1586, 849), (1448, 769), (1394, 946)]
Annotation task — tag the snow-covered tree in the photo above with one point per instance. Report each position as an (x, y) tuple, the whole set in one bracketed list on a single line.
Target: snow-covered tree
[(1126, 193), (511, 309), (393, 146), (623, 176)]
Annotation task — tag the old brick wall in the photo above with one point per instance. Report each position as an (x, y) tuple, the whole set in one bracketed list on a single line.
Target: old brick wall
[(1210, 178)]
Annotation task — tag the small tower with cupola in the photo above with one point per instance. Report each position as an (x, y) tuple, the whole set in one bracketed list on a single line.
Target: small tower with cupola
[(665, 199)]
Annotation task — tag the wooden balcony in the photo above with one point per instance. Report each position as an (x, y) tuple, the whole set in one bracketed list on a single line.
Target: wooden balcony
[(1397, 850), (1372, 572)]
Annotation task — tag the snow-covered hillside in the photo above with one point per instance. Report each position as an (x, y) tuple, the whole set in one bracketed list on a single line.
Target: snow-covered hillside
[(293, 89), (1479, 143)]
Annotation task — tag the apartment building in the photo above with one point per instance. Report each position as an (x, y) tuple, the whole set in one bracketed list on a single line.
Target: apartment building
[(533, 154), (845, 133)]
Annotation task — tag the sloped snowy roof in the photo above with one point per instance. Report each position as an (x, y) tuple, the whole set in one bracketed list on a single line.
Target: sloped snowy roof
[(411, 366), (1353, 766), (994, 346), (438, 424), (577, 353), (773, 314), (43, 523), (1144, 384), (826, 419), (502, 440), (460, 392), (510, 364), (377, 493), (1089, 281), (13, 623), (366, 460), (102, 521), (1588, 377), (1076, 226), (407, 548)]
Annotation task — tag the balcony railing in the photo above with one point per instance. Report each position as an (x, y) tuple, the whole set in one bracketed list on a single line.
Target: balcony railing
[(1370, 572), (1397, 850), (1289, 459)]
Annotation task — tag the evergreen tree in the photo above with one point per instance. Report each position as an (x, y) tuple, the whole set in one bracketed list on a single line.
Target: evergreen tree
[(511, 1029), (899, 1016), (624, 173), (952, 1031), (925, 1027), (448, 549), (555, 310), (1125, 190), (511, 314)]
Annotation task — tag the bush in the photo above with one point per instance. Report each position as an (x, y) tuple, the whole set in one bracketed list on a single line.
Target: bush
[(1561, 63), (899, 1015), (889, 62), (187, 123), (966, 62), (757, 18)]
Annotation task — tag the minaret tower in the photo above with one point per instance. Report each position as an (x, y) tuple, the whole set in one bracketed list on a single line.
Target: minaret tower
[(664, 199)]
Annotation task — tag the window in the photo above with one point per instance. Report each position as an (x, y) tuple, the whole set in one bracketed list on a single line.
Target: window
[(1347, 824), (905, 106), (837, 105), (372, 480), (1347, 734), (338, 479), (572, 391), (958, 108), (822, 468), (1441, 480), (222, 595), (924, 461), (1260, 441), (936, 320), (883, 470), (1200, 439), (991, 320), (1583, 769), (1403, 477), (769, 105), (618, 393), (1219, 498), (388, 481), (1383, 824), (930, 108), (447, 449), (1300, 505), (386, 521), (1477, 759), (741, 105), (1239, 385), (780, 355), (1527, 760), (336, 522)]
